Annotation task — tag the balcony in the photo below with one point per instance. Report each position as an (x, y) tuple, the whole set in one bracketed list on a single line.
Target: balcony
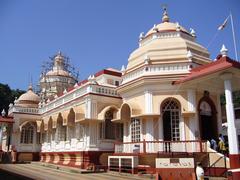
[(144, 147), (17, 109)]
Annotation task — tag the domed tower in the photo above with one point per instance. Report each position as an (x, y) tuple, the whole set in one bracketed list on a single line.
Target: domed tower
[(57, 79), (166, 43), (28, 99)]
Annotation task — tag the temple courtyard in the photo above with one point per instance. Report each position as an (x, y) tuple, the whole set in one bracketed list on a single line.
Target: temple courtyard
[(39, 171)]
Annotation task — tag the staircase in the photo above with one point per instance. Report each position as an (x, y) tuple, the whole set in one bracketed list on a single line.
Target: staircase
[(218, 164)]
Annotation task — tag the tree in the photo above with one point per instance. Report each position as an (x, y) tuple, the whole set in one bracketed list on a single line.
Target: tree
[(7, 96)]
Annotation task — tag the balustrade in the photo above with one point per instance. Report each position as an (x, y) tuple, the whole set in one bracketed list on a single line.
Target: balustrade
[(161, 147)]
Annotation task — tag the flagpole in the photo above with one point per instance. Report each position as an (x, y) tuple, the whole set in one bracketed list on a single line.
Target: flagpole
[(234, 40)]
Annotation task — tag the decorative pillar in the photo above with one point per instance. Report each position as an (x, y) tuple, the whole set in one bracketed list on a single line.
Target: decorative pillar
[(192, 108), (219, 114), (160, 129), (148, 102), (234, 155), (149, 134)]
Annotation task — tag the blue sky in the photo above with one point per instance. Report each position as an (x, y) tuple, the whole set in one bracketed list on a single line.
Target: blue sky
[(97, 34)]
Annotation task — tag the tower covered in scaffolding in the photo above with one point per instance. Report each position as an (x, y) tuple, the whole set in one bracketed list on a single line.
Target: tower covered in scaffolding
[(57, 76)]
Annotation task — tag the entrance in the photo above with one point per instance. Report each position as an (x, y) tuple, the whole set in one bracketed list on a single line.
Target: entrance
[(171, 118), (207, 119), (167, 126)]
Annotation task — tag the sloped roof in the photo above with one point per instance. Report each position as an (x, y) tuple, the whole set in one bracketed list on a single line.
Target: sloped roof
[(222, 62), (6, 119)]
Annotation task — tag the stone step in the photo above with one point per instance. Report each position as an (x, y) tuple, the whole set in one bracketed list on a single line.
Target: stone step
[(214, 178), (66, 168)]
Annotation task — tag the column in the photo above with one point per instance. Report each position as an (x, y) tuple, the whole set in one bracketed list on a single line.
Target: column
[(219, 114), (232, 134), (191, 93), (191, 100), (160, 129), (148, 102), (182, 128), (149, 135)]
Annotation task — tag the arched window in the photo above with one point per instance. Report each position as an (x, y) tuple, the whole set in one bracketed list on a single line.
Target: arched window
[(61, 130), (79, 131), (27, 134), (110, 130), (171, 118)]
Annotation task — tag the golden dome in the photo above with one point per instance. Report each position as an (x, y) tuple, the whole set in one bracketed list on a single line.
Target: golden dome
[(29, 98)]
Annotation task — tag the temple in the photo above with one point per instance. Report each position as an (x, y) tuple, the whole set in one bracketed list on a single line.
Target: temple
[(157, 113)]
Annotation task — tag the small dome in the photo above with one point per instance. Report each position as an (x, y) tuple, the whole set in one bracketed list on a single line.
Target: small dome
[(29, 98)]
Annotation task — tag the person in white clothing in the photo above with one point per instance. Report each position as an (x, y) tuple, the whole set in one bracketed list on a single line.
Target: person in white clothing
[(199, 172)]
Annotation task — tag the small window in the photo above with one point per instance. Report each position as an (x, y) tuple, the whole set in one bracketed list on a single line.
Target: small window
[(135, 129), (116, 83)]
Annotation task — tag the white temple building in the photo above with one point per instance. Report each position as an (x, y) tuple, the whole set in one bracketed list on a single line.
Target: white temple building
[(161, 109)]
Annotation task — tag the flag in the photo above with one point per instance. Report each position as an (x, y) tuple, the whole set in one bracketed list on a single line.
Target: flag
[(222, 26)]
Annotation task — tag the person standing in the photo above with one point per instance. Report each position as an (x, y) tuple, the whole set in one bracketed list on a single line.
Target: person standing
[(199, 172), (213, 144), (221, 146)]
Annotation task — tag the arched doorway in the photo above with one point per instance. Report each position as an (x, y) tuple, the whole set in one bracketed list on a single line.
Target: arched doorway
[(171, 118), (207, 119), (60, 129), (71, 125), (109, 129)]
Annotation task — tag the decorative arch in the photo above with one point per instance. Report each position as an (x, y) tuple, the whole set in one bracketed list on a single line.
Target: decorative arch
[(207, 115), (27, 132), (40, 125), (113, 108), (50, 124), (71, 117), (79, 113), (171, 113), (71, 124), (125, 112), (61, 130), (170, 102), (109, 129)]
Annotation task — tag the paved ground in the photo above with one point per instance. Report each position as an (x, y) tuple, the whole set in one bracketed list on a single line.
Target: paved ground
[(38, 172)]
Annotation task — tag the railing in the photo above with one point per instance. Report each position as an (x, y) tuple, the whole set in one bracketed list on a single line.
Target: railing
[(156, 69), (23, 110), (161, 147), (214, 169), (78, 92)]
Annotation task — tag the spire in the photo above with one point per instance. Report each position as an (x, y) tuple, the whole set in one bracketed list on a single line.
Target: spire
[(224, 51), (59, 53), (165, 17), (3, 113), (58, 61), (30, 83)]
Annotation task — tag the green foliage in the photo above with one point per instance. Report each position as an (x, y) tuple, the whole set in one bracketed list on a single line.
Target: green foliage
[(7, 96), (236, 99)]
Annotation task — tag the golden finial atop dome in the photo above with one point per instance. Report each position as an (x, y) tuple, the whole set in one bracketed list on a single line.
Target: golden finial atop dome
[(165, 17)]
